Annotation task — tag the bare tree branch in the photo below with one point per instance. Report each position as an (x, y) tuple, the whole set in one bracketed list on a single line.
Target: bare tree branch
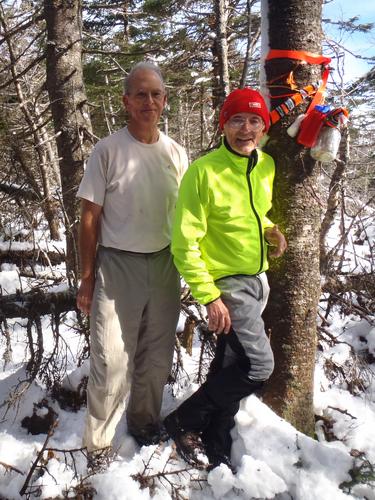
[(36, 303)]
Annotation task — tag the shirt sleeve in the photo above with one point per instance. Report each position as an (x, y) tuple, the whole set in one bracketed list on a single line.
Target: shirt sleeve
[(93, 183), (189, 228), (183, 163)]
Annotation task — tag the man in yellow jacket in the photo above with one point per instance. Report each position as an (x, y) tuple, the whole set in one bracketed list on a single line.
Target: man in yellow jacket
[(220, 240)]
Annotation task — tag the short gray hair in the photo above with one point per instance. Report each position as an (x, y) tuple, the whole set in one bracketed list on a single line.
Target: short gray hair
[(141, 66)]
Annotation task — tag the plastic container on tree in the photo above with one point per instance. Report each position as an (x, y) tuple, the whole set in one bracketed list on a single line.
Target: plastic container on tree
[(328, 142)]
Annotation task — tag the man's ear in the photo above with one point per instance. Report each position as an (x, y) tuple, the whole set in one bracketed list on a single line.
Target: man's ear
[(125, 100)]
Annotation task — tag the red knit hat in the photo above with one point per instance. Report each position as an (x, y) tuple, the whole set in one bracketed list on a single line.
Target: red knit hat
[(244, 101)]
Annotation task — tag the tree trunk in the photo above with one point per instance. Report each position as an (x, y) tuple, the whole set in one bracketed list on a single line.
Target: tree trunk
[(295, 282), (221, 8), (69, 109), (250, 44), (221, 86)]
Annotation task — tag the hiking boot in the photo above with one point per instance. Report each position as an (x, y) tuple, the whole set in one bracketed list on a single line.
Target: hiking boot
[(99, 460), (216, 459), (188, 443), (147, 437)]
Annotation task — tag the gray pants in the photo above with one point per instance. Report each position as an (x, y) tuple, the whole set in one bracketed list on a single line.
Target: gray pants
[(246, 297), (133, 322)]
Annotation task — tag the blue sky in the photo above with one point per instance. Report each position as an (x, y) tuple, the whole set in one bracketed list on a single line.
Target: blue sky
[(363, 44)]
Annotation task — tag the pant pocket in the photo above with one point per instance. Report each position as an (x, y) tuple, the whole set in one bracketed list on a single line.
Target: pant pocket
[(265, 289)]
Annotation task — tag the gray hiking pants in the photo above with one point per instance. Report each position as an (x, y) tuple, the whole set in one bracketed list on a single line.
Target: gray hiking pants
[(246, 297), (133, 321)]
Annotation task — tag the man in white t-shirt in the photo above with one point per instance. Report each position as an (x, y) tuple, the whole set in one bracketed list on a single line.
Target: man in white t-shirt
[(129, 285)]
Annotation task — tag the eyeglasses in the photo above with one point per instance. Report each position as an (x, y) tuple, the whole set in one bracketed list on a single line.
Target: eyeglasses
[(141, 95), (239, 121)]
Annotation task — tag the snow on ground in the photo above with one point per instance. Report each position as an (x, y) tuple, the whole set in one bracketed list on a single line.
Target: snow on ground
[(37, 240), (272, 458)]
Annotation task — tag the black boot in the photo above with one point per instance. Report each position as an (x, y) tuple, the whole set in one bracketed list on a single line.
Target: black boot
[(186, 424), (188, 443), (216, 458)]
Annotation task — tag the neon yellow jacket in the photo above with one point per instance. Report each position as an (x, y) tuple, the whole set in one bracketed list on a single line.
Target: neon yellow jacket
[(220, 219)]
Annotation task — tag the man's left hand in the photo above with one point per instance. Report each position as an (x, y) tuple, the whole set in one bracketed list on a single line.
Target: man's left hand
[(276, 240)]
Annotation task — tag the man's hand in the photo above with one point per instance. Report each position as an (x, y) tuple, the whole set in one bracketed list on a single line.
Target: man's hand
[(84, 295), (218, 317), (276, 240)]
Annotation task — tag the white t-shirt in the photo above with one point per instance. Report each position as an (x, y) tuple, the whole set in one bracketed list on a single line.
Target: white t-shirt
[(137, 186)]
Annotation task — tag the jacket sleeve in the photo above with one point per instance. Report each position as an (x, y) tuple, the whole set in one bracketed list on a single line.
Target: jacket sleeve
[(266, 222), (190, 226)]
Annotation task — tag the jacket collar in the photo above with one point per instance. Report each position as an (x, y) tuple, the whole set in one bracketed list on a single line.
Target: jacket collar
[(236, 157)]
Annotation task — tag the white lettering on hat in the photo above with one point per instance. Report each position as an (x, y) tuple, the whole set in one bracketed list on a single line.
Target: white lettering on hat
[(255, 105)]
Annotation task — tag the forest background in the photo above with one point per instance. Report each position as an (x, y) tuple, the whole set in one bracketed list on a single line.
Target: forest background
[(62, 65)]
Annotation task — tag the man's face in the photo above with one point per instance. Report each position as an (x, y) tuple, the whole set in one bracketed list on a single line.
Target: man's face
[(146, 99), (243, 132)]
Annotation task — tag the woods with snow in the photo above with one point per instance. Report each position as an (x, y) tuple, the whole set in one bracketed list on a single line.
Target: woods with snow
[(310, 434)]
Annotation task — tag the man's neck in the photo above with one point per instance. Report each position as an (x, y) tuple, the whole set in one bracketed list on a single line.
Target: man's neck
[(145, 135)]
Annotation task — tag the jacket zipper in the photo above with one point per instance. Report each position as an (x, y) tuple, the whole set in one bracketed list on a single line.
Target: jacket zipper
[(250, 166)]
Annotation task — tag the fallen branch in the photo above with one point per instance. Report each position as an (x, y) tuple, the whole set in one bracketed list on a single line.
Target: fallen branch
[(344, 412), (8, 467), (38, 458), (364, 282), (37, 303), (148, 480), (19, 191), (353, 308), (23, 258)]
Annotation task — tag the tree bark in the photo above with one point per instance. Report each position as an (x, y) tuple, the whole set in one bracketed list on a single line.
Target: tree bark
[(221, 86), (250, 44), (69, 109), (295, 282), (36, 303), (221, 8)]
